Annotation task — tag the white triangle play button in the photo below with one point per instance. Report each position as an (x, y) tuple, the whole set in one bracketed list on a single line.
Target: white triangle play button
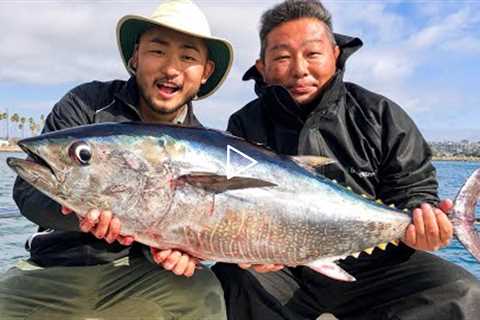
[(237, 162)]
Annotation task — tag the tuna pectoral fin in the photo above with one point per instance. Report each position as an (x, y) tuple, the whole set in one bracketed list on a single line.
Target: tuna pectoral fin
[(331, 270), (217, 183), (463, 217)]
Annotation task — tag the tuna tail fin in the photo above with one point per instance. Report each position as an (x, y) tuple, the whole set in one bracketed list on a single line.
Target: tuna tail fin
[(463, 216)]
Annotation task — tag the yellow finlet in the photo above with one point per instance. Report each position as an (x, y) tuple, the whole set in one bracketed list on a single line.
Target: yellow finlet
[(395, 242), (392, 206), (379, 201), (369, 250), (382, 246), (355, 255)]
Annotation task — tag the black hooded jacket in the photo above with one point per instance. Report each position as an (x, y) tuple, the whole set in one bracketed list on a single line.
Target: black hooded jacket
[(377, 148), (59, 241)]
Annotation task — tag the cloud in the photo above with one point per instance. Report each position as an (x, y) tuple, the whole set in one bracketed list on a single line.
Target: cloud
[(405, 66), (69, 42), (54, 42), (446, 29), (373, 21), (466, 45), (59, 43)]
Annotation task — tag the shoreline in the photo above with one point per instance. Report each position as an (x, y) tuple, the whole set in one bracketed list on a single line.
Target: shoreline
[(457, 158), (13, 148)]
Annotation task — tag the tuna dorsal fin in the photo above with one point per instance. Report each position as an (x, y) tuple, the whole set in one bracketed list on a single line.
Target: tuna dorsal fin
[(331, 270), (219, 183), (312, 163)]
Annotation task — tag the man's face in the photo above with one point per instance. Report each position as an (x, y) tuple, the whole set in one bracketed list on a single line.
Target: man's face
[(170, 68), (300, 56)]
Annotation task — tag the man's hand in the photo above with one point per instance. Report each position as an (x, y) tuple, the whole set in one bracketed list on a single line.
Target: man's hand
[(176, 261), (102, 225), (431, 229), (262, 268)]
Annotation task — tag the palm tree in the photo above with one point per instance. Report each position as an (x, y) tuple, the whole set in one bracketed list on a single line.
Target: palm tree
[(8, 124), (42, 121), (33, 126), (21, 126), (3, 116), (15, 118)]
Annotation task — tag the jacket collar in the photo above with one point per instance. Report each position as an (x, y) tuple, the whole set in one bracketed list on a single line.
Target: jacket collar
[(129, 96)]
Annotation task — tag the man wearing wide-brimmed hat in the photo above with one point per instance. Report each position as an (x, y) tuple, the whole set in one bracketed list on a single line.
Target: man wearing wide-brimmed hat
[(98, 274)]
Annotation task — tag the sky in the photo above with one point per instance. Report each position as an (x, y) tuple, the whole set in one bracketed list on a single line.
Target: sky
[(424, 55)]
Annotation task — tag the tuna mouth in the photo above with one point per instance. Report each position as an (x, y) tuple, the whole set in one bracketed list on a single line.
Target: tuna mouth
[(34, 169), (35, 157)]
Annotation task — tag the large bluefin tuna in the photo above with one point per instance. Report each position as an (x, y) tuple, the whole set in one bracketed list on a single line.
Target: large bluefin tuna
[(172, 187)]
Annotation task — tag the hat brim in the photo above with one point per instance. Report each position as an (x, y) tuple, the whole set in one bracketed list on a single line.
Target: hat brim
[(220, 51)]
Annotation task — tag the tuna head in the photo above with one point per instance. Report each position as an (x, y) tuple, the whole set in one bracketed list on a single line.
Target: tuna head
[(114, 172)]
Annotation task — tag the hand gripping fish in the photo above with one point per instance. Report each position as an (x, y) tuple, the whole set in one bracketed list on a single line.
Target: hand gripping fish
[(170, 188)]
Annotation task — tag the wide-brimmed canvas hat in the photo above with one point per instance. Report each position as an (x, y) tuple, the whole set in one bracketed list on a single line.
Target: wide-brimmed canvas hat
[(182, 16)]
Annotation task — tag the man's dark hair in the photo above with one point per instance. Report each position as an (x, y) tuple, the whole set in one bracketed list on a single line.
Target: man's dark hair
[(292, 10)]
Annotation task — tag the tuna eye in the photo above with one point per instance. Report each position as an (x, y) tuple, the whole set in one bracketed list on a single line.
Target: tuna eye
[(80, 151)]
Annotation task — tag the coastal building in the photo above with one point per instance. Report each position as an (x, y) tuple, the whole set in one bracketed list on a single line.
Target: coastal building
[(464, 148)]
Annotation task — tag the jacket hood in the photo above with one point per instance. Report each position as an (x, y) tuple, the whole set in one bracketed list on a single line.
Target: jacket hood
[(348, 46)]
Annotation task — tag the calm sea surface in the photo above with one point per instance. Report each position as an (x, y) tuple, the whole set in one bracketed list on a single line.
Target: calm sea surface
[(14, 229)]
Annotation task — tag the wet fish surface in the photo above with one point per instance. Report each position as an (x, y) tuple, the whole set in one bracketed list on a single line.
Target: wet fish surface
[(170, 187)]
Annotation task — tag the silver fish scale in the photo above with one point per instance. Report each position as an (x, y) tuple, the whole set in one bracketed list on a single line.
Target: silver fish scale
[(246, 230), (294, 218)]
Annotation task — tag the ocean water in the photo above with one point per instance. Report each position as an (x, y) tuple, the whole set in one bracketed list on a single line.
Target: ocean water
[(14, 229), (451, 176)]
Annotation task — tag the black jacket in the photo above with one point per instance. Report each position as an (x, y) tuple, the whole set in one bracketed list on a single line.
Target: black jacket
[(59, 241), (378, 150)]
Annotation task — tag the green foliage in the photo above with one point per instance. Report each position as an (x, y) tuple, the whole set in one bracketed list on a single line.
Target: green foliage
[(22, 123)]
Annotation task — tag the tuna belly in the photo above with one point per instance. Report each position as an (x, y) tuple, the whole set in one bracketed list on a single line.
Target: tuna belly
[(261, 227), (267, 227)]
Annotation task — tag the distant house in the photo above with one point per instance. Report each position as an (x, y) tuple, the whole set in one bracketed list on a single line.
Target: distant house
[(4, 142)]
